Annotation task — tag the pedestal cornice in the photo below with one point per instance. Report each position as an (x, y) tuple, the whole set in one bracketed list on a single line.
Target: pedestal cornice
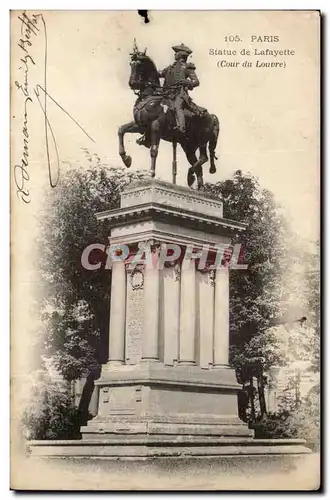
[(171, 215)]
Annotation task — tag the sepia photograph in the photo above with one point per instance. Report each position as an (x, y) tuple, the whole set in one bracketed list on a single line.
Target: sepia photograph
[(165, 250)]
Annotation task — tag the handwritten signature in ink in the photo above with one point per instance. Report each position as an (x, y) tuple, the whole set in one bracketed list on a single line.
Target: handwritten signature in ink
[(33, 27)]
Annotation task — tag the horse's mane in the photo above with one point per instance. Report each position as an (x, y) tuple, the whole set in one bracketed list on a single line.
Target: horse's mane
[(150, 62), (149, 67)]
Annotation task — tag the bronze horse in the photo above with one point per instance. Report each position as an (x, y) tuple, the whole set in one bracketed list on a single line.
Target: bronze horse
[(155, 119)]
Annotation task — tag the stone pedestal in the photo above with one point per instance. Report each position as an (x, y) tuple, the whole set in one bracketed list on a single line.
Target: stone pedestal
[(167, 389), (168, 323)]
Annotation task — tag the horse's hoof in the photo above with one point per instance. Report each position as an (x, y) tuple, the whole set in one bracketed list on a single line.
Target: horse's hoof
[(152, 173), (127, 161), (190, 178), (212, 169)]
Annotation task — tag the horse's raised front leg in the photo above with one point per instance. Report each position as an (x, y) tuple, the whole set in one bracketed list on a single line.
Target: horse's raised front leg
[(197, 167), (155, 139), (132, 128)]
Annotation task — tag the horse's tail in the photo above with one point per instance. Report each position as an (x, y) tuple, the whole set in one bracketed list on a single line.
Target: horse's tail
[(213, 142)]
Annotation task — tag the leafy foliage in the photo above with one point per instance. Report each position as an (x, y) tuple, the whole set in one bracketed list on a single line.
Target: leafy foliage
[(74, 301), (51, 414), (293, 421)]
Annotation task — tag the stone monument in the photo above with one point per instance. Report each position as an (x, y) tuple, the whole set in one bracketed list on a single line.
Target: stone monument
[(167, 388), (167, 378)]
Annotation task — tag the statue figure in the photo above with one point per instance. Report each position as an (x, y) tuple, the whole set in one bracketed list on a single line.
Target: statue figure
[(178, 78), (167, 112)]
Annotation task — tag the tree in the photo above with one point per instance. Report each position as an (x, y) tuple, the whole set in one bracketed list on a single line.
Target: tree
[(51, 413), (313, 279), (74, 302)]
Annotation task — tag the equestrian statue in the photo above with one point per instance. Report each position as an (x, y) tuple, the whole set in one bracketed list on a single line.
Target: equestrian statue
[(167, 112)]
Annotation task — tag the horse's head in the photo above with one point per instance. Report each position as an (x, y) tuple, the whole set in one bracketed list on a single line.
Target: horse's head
[(143, 70)]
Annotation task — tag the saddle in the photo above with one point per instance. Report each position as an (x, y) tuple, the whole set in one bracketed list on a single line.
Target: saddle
[(148, 103), (190, 108)]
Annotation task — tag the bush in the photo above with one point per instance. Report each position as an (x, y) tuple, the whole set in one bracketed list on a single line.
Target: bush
[(51, 414), (302, 422)]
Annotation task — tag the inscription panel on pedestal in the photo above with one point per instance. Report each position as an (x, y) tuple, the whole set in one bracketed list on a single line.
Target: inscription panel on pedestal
[(134, 318), (122, 400)]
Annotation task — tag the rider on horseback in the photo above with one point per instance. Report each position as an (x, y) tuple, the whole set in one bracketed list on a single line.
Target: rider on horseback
[(155, 122), (178, 78)]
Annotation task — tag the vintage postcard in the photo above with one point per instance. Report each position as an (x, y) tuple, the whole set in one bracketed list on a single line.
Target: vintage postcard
[(165, 239)]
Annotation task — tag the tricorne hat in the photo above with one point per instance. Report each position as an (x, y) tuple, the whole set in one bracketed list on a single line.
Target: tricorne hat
[(182, 48)]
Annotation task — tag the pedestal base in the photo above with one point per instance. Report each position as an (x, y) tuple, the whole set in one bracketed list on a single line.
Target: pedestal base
[(129, 446), (166, 403), (152, 410)]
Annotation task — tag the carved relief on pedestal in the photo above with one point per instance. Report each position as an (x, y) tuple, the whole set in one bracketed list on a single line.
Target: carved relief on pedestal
[(147, 255), (136, 276), (176, 269), (134, 314), (152, 244), (212, 274)]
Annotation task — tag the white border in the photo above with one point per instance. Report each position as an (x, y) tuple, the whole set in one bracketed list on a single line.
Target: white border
[(4, 184)]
